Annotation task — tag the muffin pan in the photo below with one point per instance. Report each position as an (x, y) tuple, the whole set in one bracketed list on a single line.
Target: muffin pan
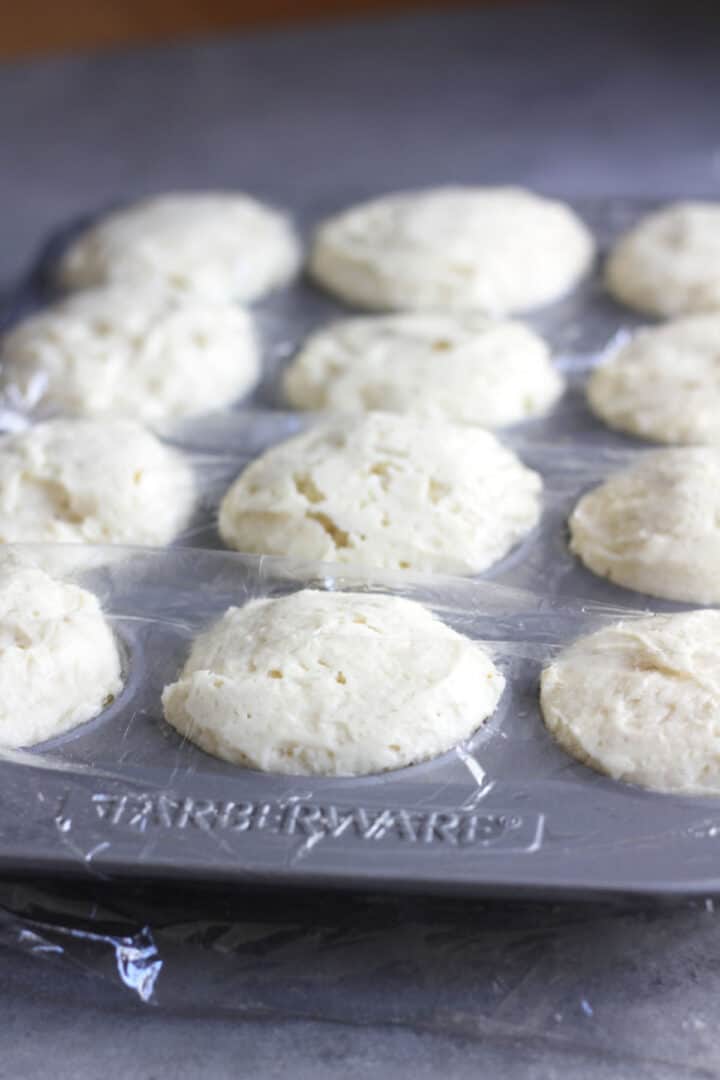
[(508, 813)]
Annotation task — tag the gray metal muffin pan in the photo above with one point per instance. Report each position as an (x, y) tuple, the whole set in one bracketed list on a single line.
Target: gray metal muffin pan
[(508, 813)]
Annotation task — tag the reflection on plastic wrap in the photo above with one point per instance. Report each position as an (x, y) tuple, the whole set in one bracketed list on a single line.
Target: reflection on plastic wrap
[(541, 562), (548, 975), (579, 327), (132, 957), (507, 810)]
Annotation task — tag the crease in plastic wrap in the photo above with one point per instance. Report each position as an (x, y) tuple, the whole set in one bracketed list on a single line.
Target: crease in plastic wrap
[(123, 801), (586, 985), (508, 811)]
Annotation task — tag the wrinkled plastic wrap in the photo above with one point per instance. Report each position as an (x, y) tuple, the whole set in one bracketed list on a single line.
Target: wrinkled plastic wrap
[(598, 991), (578, 327), (218, 448), (123, 800), (506, 812)]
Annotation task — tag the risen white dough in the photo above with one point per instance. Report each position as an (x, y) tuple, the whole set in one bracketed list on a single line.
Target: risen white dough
[(492, 249), (91, 481), (59, 663), (464, 367), (338, 684), (387, 491), (664, 383), (132, 351), (220, 245), (669, 263), (640, 701), (655, 526)]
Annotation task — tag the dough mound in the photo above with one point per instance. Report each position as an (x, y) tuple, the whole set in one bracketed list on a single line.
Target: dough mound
[(655, 526), (140, 352), (497, 250), (93, 482), (385, 491), (59, 663), (218, 245), (640, 701), (461, 367), (664, 384), (337, 684), (669, 263)]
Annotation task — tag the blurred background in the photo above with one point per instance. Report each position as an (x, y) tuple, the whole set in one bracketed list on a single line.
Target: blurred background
[(313, 104), (38, 26)]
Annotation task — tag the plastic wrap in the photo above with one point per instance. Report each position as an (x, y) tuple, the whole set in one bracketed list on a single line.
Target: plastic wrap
[(594, 990), (541, 562), (578, 327), (219, 447), (507, 814)]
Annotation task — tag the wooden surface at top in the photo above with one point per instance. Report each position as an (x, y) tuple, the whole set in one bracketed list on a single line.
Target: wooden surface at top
[(32, 27)]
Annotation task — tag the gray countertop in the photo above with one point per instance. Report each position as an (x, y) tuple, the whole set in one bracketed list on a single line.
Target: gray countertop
[(600, 100), (577, 100)]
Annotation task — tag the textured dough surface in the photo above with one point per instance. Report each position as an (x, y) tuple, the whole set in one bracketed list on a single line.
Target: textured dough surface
[(491, 249), (664, 383), (59, 663), (386, 491), (463, 367), (337, 684), (140, 352), (655, 526), (640, 701), (91, 481), (219, 245), (669, 263)]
